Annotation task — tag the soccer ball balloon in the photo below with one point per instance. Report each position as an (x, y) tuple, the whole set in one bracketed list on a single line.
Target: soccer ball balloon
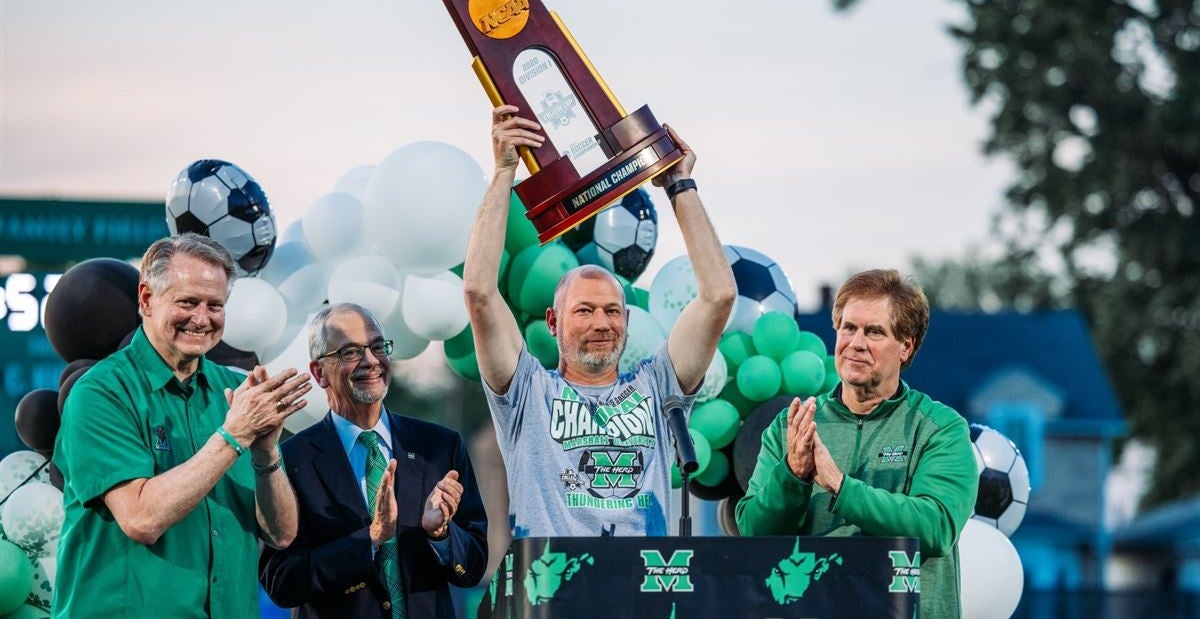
[(621, 238), (219, 200), (1003, 480), (762, 287)]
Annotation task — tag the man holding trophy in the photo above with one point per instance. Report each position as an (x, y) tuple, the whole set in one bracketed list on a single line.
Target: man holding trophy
[(563, 432)]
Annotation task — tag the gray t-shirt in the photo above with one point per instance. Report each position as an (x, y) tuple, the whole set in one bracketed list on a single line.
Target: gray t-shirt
[(587, 461)]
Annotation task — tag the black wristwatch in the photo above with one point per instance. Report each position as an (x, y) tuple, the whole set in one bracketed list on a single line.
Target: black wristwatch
[(679, 186)]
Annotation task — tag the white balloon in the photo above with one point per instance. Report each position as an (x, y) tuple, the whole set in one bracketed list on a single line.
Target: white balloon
[(991, 573), (354, 181), (255, 315), (295, 355), (45, 571), (18, 466), (298, 276), (674, 286), (433, 306), (370, 281), (333, 227), (293, 233), (644, 337), (406, 343), (420, 203), (33, 515), (714, 379)]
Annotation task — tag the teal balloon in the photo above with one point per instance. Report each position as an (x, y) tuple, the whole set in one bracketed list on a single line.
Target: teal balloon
[(731, 394), (759, 378), (704, 452), (534, 274), (812, 343), (541, 344), (460, 355), (831, 376), (16, 576), (737, 347), (627, 290), (519, 232), (716, 472), (641, 298), (803, 373), (776, 335), (676, 476), (717, 420)]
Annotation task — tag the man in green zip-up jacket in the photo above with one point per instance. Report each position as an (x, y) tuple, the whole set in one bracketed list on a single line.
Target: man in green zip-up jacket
[(873, 456)]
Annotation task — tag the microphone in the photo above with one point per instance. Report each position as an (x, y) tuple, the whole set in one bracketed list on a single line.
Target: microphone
[(685, 451)]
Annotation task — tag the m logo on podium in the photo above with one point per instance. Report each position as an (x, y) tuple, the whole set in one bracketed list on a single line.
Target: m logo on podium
[(667, 574)]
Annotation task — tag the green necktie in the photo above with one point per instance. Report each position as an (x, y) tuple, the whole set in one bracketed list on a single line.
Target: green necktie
[(376, 467)]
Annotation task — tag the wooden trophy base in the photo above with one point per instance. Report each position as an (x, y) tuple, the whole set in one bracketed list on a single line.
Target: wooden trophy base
[(638, 148)]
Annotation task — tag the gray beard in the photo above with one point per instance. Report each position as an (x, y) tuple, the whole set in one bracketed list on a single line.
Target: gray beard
[(595, 362)]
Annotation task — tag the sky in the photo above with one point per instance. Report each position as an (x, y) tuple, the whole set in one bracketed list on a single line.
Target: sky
[(830, 142)]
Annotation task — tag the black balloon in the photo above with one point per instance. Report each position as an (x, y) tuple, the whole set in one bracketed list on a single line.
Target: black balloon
[(225, 354), (37, 420), (71, 367), (56, 476), (64, 389), (749, 437), (92, 308)]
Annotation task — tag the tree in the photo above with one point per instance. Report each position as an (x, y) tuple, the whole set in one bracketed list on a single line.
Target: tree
[(1097, 102)]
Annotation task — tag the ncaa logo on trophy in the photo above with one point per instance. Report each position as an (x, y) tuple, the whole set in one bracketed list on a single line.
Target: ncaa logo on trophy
[(594, 152)]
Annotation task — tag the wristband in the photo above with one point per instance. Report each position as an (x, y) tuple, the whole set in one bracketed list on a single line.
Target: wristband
[(270, 468), (679, 187), (232, 442)]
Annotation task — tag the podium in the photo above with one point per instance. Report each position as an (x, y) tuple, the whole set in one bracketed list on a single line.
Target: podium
[(706, 577)]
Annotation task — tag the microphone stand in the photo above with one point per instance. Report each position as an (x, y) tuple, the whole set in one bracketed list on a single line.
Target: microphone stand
[(685, 515)]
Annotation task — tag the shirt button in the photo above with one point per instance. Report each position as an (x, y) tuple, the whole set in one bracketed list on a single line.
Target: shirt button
[(387, 605), (216, 533), (214, 579)]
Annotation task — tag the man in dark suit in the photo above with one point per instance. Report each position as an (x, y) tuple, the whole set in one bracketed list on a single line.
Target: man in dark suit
[(390, 513)]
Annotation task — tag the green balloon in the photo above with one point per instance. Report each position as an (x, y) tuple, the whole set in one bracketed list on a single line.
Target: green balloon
[(831, 376), (812, 343), (776, 335), (731, 394), (519, 232), (737, 347), (460, 355), (704, 452), (541, 344), (803, 373), (460, 345), (641, 298), (717, 420), (759, 378), (534, 274), (716, 472), (676, 476), (627, 289), (16, 576)]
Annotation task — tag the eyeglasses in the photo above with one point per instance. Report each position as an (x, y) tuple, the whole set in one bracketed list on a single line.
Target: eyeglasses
[(353, 353)]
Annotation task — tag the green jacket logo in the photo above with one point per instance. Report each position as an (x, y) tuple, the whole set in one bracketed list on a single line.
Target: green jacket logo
[(790, 579), (893, 454), (549, 572), (667, 574), (906, 573)]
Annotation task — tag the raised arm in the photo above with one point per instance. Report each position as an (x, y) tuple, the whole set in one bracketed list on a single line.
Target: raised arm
[(497, 337), (698, 329)]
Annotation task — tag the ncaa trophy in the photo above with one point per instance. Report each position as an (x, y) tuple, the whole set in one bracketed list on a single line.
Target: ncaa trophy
[(594, 152)]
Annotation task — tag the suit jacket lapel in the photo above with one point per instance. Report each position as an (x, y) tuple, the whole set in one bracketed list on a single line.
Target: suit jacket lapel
[(332, 467)]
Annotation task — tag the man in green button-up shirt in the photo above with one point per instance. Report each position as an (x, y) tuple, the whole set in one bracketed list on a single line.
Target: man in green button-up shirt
[(163, 506)]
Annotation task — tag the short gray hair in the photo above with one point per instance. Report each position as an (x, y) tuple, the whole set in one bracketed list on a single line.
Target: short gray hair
[(158, 257), (318, 333), (586, 271)]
